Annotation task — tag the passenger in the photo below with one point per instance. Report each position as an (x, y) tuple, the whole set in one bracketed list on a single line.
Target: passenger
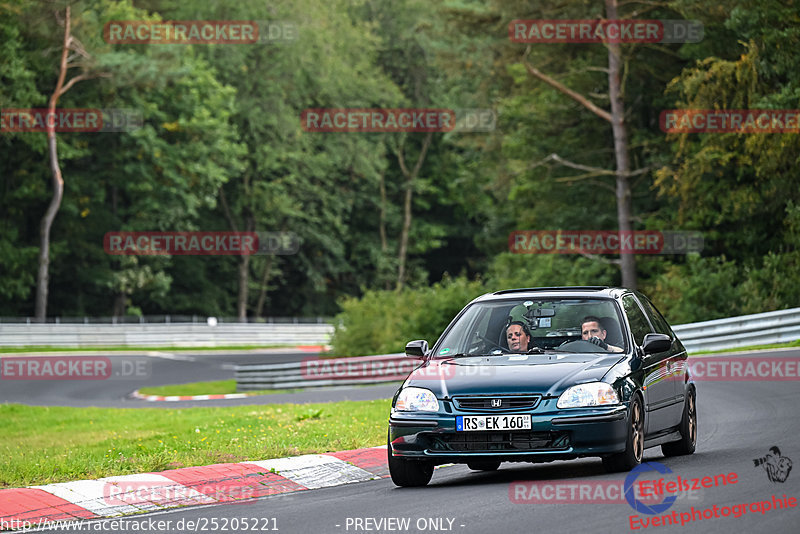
[(593, 332), (518, 337)]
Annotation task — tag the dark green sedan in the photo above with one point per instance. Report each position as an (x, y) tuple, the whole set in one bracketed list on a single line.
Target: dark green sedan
[(543, 374)]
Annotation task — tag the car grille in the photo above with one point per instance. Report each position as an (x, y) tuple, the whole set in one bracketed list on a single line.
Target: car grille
[(501, 441), (507, 402)]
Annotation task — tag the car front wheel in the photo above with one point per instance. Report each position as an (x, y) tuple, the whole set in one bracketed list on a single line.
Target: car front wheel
[(408, 473), (634, 445)]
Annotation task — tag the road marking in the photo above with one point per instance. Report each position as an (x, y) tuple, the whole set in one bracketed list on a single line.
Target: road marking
[(170, 356)]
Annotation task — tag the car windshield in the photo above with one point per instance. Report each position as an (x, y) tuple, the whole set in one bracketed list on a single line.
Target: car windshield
[(553, 324)]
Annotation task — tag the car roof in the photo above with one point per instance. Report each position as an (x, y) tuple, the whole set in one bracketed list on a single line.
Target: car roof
[(555, 292)]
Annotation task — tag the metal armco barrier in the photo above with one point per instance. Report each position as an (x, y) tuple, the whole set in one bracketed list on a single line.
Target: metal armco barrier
[(318, 372), (733, 332), (164, 335)]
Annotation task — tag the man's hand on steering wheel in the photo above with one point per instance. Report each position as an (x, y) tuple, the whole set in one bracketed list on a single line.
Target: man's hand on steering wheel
[(599, 342)]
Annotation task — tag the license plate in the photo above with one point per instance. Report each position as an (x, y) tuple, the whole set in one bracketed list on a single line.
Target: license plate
[(469, 423)]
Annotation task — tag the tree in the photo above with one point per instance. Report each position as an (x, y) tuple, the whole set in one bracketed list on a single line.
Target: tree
[(70, 44), (410, 177), (617, 119)]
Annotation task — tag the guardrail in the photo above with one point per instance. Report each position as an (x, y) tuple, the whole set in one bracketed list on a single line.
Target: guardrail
[(313, 372), (164, 335), (761, 328), (733, 332)]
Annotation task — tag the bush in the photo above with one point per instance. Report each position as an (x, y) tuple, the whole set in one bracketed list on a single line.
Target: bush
[(703, 289), (699, 290), (534, 270), (382, 322)]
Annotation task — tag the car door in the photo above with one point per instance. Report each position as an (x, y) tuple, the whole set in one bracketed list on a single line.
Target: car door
[(677, 360), (659, 391)]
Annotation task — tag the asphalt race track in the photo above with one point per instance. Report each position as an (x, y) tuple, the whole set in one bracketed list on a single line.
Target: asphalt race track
[(738, 422), (161, 368)]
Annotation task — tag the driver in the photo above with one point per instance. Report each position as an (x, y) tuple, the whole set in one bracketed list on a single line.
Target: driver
[(593, 332), (517, 336)]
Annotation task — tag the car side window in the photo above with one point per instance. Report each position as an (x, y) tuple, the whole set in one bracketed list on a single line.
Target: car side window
[(659, 323), (636, 318)]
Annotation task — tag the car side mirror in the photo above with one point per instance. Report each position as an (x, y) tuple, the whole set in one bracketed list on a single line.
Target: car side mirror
[(417, 349), (655, 343)]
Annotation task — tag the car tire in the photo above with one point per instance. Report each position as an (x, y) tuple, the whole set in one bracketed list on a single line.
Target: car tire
[(408, 473), (484, 465), (688, 428), (634, 444)]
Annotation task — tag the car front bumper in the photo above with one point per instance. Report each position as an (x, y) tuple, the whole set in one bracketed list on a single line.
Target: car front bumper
[(555, 434)]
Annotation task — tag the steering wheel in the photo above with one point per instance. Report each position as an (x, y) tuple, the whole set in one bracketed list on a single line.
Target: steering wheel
[(581, 345), (489, 341)]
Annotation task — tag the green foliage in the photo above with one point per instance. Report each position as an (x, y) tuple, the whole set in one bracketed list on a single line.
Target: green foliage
[(221, 127), (48, 444), (382, 322), (538, 270), (699, 290)]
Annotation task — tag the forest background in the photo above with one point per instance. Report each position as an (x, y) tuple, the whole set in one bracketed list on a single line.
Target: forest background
[(398, 230)]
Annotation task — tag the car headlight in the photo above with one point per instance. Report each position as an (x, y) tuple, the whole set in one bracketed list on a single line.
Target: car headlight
[(417, 400), (592, 394)]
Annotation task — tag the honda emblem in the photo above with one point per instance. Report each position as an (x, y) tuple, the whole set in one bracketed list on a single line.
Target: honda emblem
[(496, 403)]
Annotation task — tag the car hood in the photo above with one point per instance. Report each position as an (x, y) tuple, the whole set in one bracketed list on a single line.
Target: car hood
[(547, 374)]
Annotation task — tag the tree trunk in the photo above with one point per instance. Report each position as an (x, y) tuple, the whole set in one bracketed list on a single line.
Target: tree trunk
[(623, 191), (410, 177), (244, 260), (244, 277), (43, 276), (401, 270), (262, 295), (382, 231), (120, 305), (382, 222), (241, 302)]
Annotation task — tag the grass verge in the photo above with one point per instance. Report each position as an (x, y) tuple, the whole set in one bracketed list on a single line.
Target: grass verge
[(788, 344), (217, 387), (223, 387), (43, 444)]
